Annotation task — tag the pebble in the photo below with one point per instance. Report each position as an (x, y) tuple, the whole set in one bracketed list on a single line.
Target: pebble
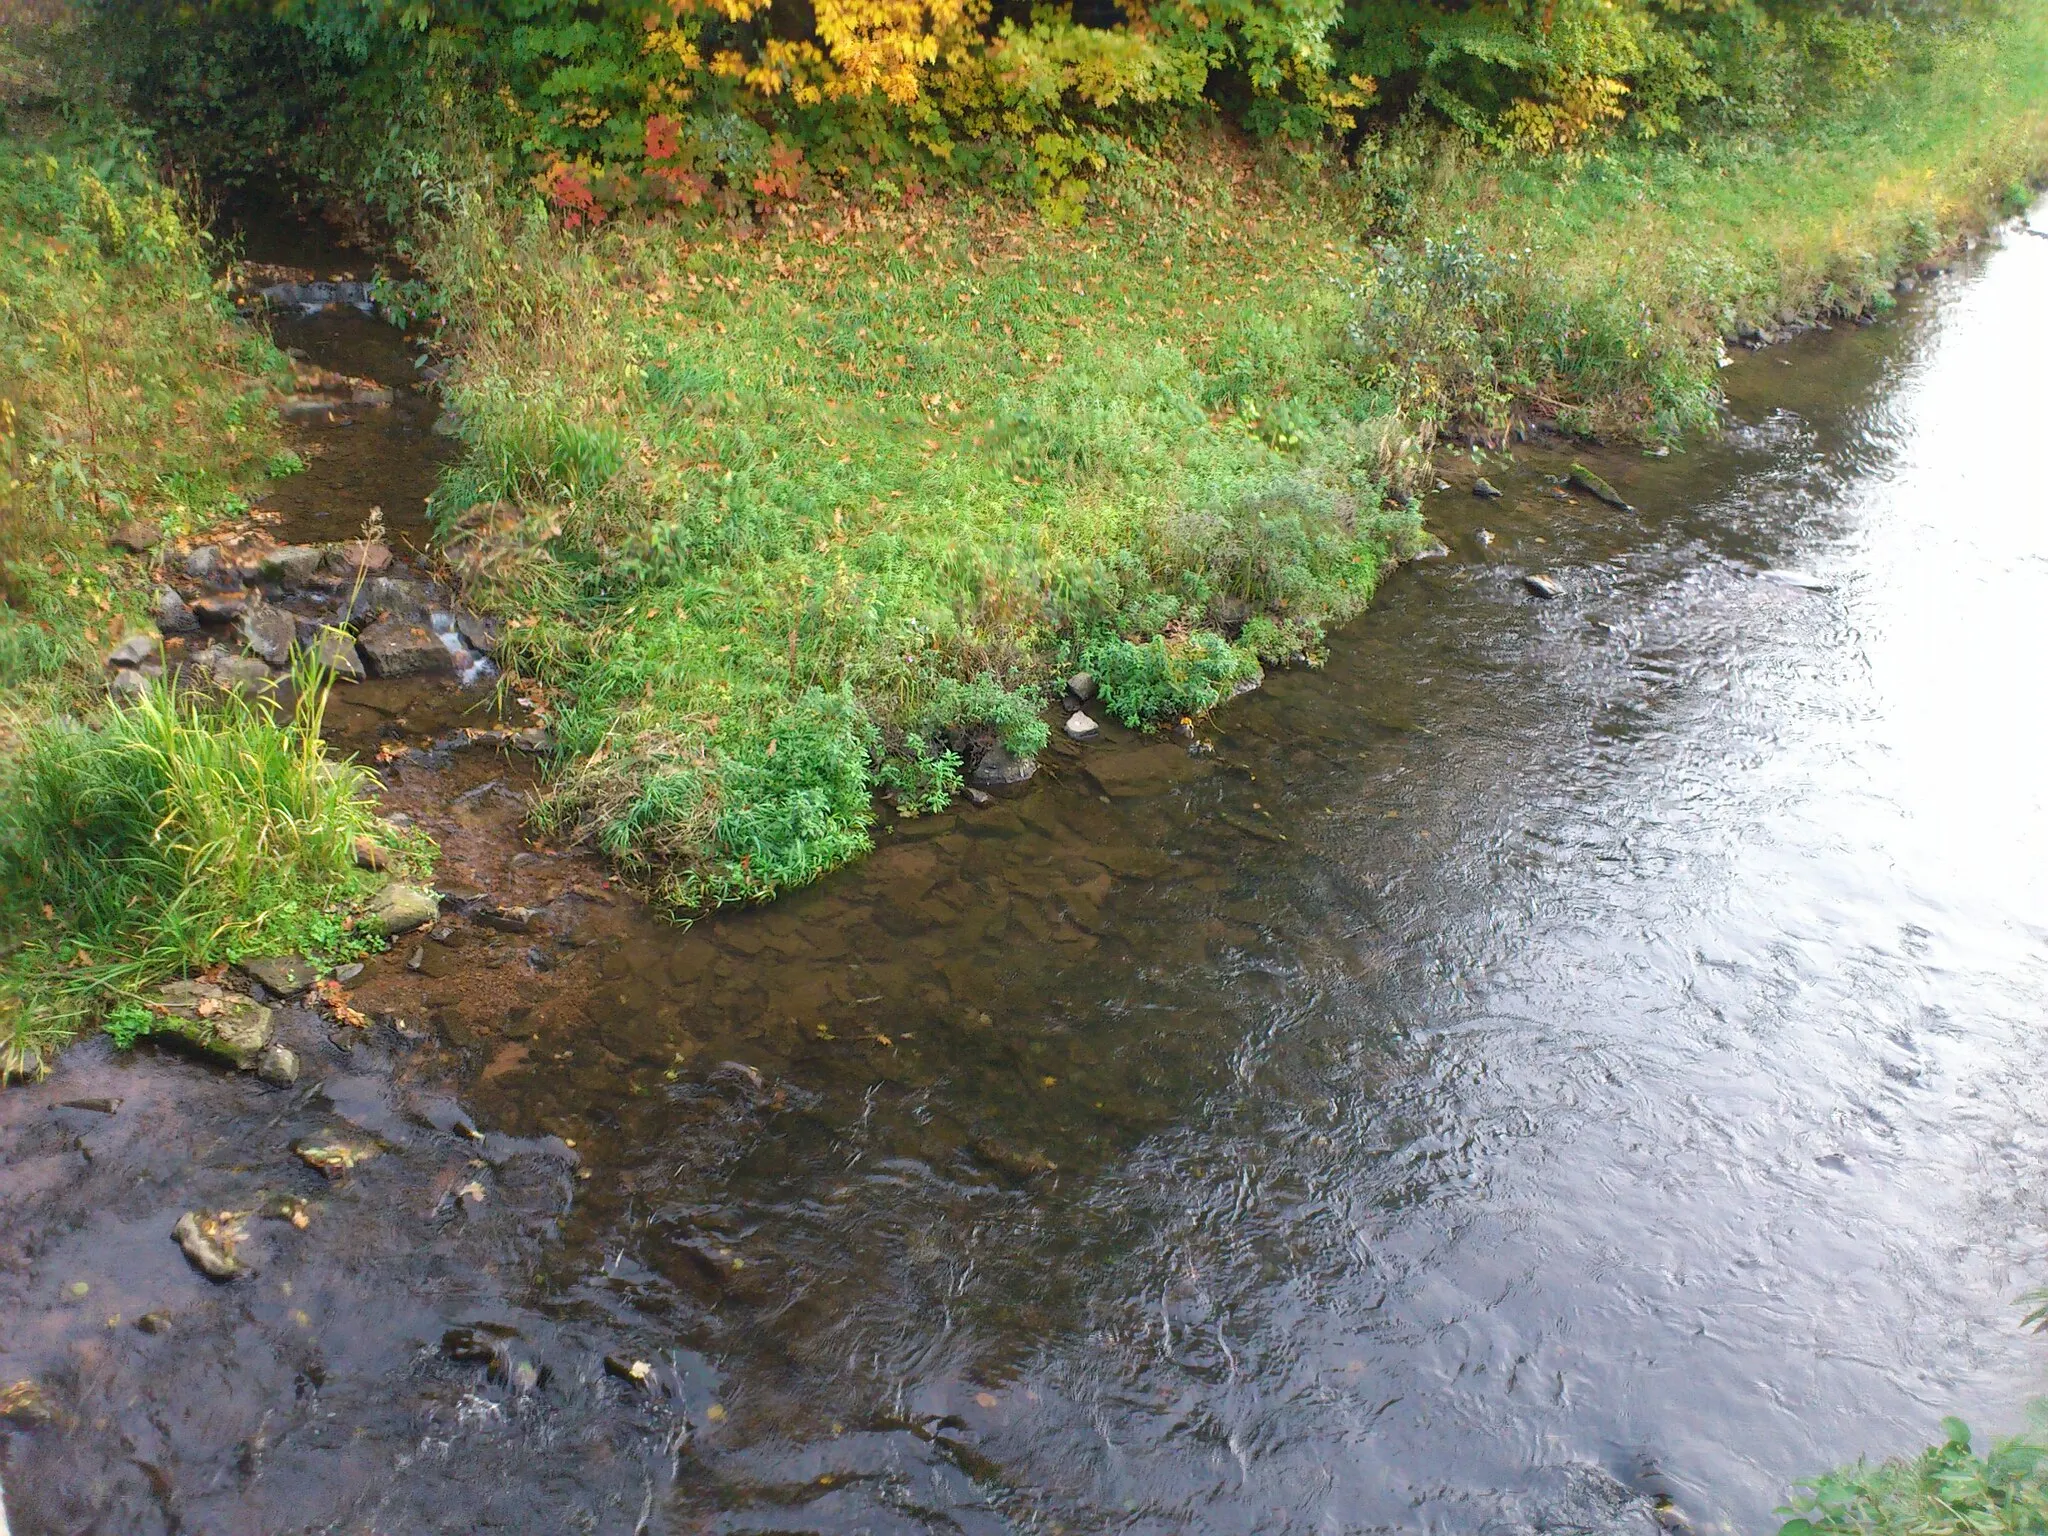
[(133, 650), (1485, 489), (278, 1065), (209, 1242)]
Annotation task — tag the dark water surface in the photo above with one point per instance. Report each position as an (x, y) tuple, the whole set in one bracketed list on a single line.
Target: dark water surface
[(1557, 1061)]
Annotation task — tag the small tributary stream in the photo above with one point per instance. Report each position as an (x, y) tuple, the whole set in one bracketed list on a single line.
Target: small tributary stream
[(1565, 1065)]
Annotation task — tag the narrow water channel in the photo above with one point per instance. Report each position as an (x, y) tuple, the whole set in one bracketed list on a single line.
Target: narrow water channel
[(1564, 1065)]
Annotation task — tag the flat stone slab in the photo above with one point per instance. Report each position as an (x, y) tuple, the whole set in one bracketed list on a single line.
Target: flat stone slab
[(290, 565), (396, 647), (286, 975), (400, 908), (228, 1025)]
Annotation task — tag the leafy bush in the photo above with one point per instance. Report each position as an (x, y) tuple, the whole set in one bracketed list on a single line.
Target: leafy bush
[(727, 105), (1187, 675), (1947, 1490)]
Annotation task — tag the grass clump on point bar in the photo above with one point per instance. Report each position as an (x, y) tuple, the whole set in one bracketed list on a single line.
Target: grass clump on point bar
[(163, 837)]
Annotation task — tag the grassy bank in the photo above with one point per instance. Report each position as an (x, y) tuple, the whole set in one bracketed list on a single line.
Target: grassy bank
[(176, 833), (785, 514)]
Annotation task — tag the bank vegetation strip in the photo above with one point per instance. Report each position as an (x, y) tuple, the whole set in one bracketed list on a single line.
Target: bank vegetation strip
[(785, 514)]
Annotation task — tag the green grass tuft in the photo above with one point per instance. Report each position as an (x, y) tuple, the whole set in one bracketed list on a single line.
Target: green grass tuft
[(1947, 1490), (161, 838)]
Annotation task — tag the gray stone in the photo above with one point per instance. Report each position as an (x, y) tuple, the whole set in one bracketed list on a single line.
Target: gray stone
[(220, 607), (238, 674), (997, 769), (400, 599), (136, 537), (1483, 537), (228, 1025), (174, 616), (1545, 587), (479, 634), (395, 647), (1485, 489), (127, 686), (1431, 549), (206, 564), (270, 633), (289, 565), (1080, 728), (400, 908), (279, 1064), (209, 1242), (133, 650), (1082, 686), (333, 650), (354, 555), (286, 975), (349, 972)]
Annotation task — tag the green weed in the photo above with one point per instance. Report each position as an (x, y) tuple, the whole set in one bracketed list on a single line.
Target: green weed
[(163, 837), (1947, 1490)]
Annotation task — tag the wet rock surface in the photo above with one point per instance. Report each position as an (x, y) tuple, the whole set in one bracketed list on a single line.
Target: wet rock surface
[(215, 1020)]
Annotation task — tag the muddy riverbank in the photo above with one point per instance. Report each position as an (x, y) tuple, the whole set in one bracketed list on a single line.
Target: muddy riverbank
[(1566, 1063)]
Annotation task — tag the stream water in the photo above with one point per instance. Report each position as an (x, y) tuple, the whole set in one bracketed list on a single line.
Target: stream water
[(1563, 1066)]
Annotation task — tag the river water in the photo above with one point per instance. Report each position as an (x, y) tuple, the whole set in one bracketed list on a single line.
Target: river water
[(1563, 1065)]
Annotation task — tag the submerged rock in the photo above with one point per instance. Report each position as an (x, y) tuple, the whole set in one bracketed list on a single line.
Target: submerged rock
[(335, 652), (228, 1025), (279, 1065), (210, 1242), (397, 647), (505, 919), (400, 908), (997, 769), (1545, 587), (334, 1158), (1485, 489)]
